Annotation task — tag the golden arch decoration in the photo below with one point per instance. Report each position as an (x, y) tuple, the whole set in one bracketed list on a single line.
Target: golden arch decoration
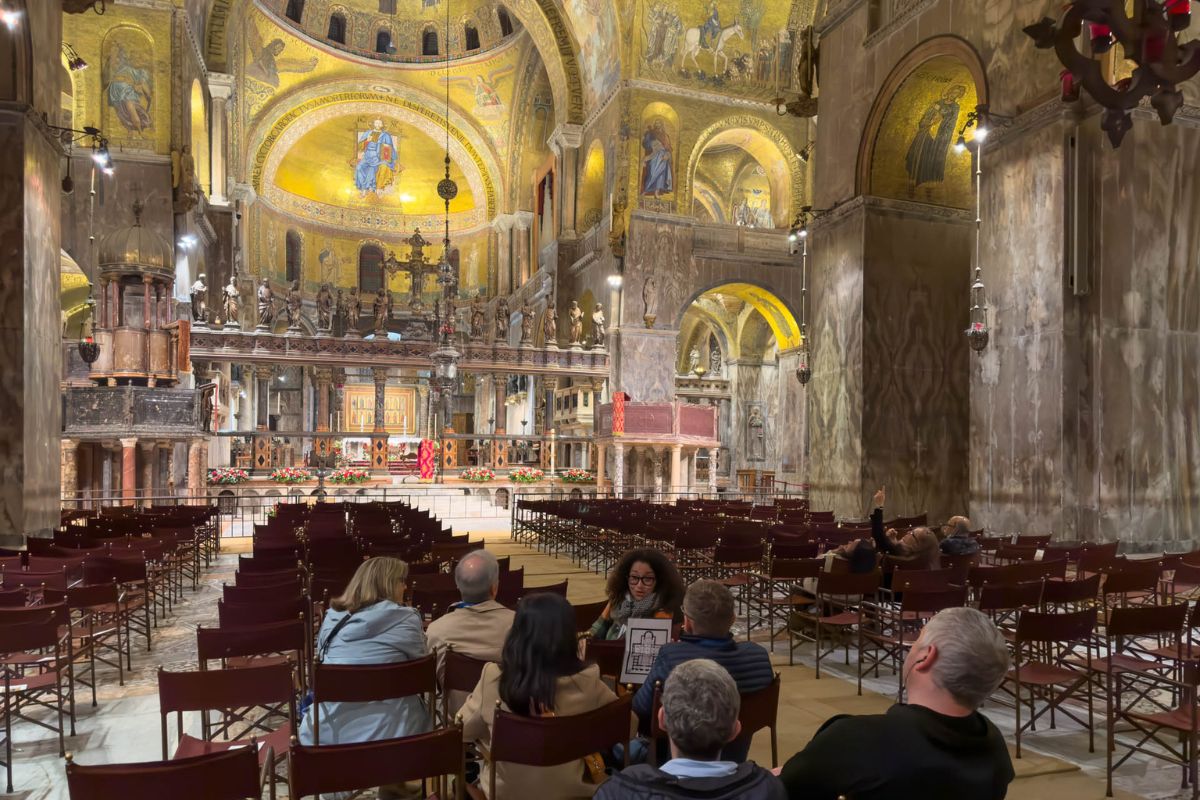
[(768, 131), (938, 47), (773, 309), (550, 33), (281, 124)]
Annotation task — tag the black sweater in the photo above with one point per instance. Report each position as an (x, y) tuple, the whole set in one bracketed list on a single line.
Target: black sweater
[(910, 752)]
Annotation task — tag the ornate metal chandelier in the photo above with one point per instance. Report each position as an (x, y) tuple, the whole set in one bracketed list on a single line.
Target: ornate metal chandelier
[(1149, 37)]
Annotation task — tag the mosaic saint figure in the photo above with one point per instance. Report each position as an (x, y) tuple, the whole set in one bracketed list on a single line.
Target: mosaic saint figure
[(657, 174), (926, 159), (375, 167), (712, 25), (266, 63), (129, 90)]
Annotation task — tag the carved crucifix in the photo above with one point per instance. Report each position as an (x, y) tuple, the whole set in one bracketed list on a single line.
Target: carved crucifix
[(417, 267)]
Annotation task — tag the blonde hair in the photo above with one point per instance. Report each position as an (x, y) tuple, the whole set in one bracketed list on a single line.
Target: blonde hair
[(376, 579)]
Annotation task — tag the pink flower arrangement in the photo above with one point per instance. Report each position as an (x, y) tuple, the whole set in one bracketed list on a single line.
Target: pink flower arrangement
[(290, 475), (478, 474), (228, 476), (576, 475)]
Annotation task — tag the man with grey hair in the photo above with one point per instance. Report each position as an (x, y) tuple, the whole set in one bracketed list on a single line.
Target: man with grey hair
[(938, 747), (476, 626), (700, 704)]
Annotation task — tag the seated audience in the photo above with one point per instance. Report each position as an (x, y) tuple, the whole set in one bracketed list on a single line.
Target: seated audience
[(938, 746), (540, 673), (917, 549), (699, 711), (368, 625), (477, 626), (708, 614), (644, 584), (957, 539)]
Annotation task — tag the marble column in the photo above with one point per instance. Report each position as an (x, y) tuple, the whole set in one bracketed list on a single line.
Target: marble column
[(502, 231), (676, 468), (713, 458), (149, 462), (69, 449), (424, 428), (618, 479), (106, 471), (129, 471), (522, 243), (324, 377), (550, 386), (565, 142), (248, 411), (379, 460), (656, 465), (220, 88), (195, 470), (600, 456)]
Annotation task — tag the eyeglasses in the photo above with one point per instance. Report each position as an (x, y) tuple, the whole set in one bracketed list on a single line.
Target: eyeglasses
[(647, 580)]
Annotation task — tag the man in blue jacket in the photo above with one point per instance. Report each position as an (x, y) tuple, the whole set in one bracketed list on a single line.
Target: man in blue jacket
[(708, 614)]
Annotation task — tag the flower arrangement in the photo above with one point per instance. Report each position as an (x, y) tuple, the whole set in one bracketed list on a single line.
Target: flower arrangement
[(228, 476), (576, 475), (526, 475), (290, 475), (478, 474), (349, 475)]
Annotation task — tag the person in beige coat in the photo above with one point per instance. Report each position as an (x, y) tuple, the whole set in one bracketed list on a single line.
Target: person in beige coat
[(539, 674), (478, 625)]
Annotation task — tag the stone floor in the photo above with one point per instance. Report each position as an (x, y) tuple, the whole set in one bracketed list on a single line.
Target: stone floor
[(125, 725)]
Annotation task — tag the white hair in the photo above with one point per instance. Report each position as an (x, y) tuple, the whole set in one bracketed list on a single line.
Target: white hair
[(972, 658), (477, 572)]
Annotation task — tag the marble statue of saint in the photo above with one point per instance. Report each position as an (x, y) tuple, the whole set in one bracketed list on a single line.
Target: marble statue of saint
[(756, 435), (293, 305), (339, 307), (478, 319), (325, 307), (526, 324), (714, 362), (693, 361), (232, 304), (266, 304), (550, 325), (199, 296), (353, 310), (599, 326), (502, 315), (575, 316), (650, 298), (380, 308)]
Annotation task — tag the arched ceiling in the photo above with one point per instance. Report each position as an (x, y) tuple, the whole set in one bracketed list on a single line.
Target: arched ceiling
[(727, 303)]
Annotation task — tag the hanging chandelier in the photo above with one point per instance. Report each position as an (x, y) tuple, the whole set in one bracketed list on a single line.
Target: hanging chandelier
[(799, 235), (1148, 36)]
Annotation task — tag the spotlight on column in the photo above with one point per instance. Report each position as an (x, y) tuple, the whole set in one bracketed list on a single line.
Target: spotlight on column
[(615, 281), (10, 18)]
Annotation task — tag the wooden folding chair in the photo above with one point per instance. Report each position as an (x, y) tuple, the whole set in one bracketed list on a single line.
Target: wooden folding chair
[(355, 767), (586, 614), (255, 645), (609, 656), (887, 632), (229, 775), (460, 674), (838, 607), (549, 741), (368, 683), (97, 627), (1169, 730), (35, 658)]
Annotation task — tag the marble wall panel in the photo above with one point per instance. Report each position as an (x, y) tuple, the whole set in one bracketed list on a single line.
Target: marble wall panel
[(643, 364), (835, 393), (756, 384), (917, 269)]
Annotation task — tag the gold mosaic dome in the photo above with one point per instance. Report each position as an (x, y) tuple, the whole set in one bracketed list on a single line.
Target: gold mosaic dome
[(135, 248)]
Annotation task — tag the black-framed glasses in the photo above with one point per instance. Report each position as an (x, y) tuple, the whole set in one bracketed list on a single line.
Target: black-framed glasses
[(647, 580)]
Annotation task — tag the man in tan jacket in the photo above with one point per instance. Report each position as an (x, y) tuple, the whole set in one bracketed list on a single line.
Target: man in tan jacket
[(476, 626)]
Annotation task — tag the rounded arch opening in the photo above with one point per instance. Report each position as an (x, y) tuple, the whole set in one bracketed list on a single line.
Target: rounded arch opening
[(740, 178), (907, 150), (738, 320)]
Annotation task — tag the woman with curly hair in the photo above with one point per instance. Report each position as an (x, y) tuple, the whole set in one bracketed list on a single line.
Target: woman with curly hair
[(644, 584)]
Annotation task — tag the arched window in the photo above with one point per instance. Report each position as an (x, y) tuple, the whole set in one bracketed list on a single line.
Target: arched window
[(293, 259), (383, 41), (295, 10), (370, 269), (429, 42), (337, 29), (472, 37), (387, 6), (506, 26)]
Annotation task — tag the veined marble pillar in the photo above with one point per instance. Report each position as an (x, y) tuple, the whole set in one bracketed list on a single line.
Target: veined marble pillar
[(526, 260), (69, 449), (424, 427), (713, 453), (129, 471), (220, 88), (149, 461), (618, 480), (656, 464), (676, 468), (379, 453), (600, 456), (324, 377), (502, 230), (565, 142), (195, 470)]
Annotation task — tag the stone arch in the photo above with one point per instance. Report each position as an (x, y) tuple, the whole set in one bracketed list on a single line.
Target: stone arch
[(790, 184), (501, 497), (543, 19), (950, 47), (777, 312)]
